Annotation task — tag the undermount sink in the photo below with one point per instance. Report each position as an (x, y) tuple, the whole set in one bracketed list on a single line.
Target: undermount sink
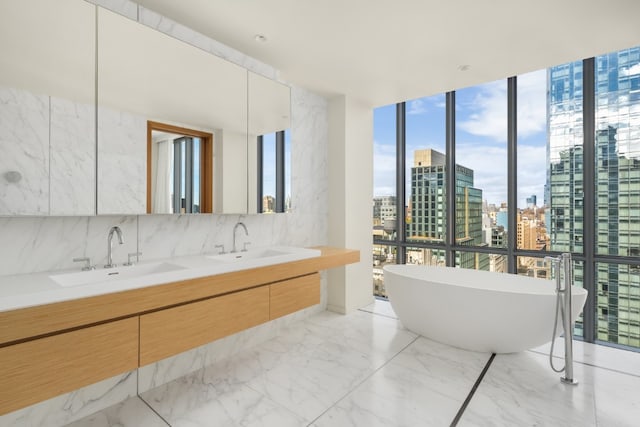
[(280, 254), (112, 274)]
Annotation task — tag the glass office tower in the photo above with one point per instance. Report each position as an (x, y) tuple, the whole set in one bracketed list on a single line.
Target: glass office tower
[(428, 207), (617, 175)]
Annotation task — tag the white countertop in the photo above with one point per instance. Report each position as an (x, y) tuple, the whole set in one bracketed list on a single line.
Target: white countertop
[(28, 290)]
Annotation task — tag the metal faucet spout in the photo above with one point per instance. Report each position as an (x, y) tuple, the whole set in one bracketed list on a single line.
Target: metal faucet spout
[(235, 228), (114, 229)]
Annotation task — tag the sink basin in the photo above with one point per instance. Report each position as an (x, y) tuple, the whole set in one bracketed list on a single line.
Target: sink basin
[(267, 255), (112, 274), (258, 253)]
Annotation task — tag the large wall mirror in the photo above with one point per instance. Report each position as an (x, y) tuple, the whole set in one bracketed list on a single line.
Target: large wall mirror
[(146, 76), (66, 63), (47, 107)]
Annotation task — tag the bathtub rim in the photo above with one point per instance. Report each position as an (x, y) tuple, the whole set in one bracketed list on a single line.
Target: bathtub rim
[(542, 287)]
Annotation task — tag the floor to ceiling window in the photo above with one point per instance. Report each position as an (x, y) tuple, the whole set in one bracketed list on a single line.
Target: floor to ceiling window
[(542, 163)]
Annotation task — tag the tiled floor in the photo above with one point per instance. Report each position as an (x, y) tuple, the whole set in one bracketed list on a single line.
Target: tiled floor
[(364, 369)]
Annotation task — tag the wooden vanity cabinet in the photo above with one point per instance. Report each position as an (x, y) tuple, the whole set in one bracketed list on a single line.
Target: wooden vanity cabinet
[(292, 295), (174, 330), (40, 369), (171, 331), (59, 347)]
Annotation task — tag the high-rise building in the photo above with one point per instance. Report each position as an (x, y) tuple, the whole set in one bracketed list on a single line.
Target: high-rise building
[(526, 236), (532, 201), (617, 168), (268, 204), (428, 207)]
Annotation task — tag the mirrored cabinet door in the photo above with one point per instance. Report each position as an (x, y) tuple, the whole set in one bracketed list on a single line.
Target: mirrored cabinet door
[(172, 124), (269, 145), (47, 107)]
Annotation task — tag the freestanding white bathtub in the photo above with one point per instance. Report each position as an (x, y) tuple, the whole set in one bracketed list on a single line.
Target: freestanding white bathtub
[(476, 310)]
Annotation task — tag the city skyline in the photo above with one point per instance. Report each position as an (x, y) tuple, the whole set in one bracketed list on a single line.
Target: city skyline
[(614, 174), (481, 136)]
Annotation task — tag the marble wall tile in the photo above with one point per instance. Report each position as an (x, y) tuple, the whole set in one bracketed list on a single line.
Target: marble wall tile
[(309, 169), (50, 243), (163, 236), (72, 406), (24, 148), (73, 158), (122, 166)]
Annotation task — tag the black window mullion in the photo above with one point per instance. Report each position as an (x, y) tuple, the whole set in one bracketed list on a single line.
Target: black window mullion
[(450, 175), (589, 177), (177, 176), (259, 183), (188, 175), (279, 171), (401, 235), (512, 174)]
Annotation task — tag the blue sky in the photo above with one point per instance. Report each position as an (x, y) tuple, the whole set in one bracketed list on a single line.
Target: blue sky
[(481, 136)]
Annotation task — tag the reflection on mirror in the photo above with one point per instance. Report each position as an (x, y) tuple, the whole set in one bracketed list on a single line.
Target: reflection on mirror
[(274, 172), (145, 75), (179, 173), (47, 107), (269, 145)]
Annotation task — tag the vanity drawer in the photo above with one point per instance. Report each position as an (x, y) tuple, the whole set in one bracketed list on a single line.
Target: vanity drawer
[(174, 330), (37, 370), (292, 295)]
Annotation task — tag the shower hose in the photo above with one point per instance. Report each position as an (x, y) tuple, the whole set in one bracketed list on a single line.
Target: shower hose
[(559, 308)]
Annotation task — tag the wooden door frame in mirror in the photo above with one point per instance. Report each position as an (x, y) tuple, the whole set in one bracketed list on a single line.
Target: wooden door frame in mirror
[(206, 161)]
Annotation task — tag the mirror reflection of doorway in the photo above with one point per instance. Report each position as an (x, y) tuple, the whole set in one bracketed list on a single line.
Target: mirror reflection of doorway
[(179, 176)]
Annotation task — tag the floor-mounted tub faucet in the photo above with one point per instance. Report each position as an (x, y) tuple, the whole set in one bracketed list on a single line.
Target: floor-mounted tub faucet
[(114, 229), (564, 273), (235, 228)]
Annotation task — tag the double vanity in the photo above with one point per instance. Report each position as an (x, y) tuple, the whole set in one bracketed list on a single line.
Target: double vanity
[(63, 331)]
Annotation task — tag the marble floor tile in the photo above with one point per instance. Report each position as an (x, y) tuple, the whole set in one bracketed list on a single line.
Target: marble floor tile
[(209, 399), (617, 398), (306, 368), (426, 385), (366, 369), (311, 379), (380, 307), (132, 412), (378, 336), (521, 389), (624, 361)]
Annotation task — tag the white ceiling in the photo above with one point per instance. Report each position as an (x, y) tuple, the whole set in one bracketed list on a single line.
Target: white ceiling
[(386, 51)]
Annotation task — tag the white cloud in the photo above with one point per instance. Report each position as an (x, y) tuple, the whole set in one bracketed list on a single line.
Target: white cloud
[(490, 171), (532, 103), (424, 105), (487, 112), (532, 173), (489, 166), (417, 106)]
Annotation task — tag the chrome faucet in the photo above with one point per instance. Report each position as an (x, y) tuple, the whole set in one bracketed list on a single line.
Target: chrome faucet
[(246, 232), (117, 230)]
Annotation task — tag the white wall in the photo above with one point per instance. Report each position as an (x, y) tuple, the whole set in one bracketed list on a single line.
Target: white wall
[(350, 195)]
